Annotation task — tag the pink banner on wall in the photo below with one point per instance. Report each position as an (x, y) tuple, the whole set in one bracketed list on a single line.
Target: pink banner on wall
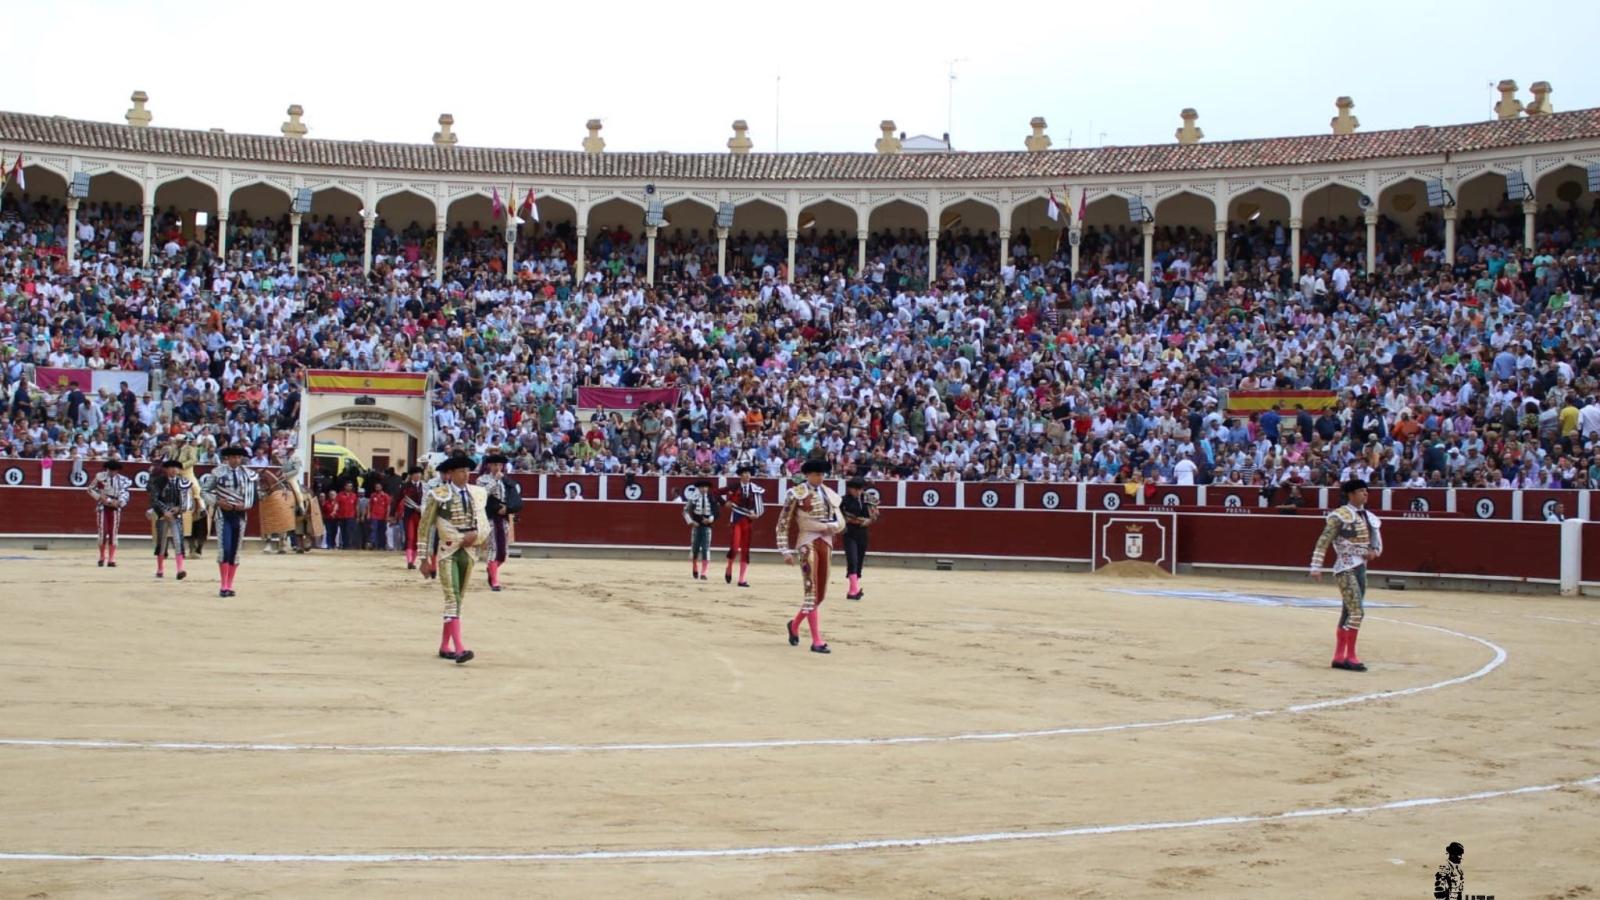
[(50, 378), (624, 398)]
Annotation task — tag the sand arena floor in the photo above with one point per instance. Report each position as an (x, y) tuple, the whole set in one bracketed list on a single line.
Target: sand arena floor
[(626, 732)]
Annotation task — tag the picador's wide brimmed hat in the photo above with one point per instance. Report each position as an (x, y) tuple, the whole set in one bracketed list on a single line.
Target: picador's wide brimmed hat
[(453, 463)]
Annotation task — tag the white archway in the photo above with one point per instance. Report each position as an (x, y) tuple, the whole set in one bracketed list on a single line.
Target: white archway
[(363, 402)]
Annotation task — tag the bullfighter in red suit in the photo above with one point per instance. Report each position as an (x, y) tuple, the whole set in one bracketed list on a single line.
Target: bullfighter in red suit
[(412, 494), (745, 500), (110, 492)]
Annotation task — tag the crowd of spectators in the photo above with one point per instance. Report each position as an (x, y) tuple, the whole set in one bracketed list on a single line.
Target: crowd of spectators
[(1477, 371)]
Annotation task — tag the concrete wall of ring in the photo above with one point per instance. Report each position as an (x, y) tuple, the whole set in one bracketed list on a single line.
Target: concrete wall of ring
[(1000, 520)]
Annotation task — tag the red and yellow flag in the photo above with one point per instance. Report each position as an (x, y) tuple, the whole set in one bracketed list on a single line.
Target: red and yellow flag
[(1242, 403), (343, 381)]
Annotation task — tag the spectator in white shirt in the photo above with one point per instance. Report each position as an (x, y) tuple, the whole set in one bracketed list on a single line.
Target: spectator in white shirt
[(1184, 471)]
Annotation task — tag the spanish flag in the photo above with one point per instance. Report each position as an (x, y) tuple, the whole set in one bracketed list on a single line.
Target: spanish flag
[(1243, 403), (342, 381)]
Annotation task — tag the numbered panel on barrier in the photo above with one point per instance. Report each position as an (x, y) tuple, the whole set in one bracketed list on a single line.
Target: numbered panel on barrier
[(1172, 495), (1481, 503), (528, 484), (1101, 497), (643, 489), (1050, 496), (1233, 497), (1148, 537), (21, 473), (989, 494), (931, 494), (65, 474), (573, 487), (140, 473), (885, 493), (1538, 505), (678, 485), (1416, 500)]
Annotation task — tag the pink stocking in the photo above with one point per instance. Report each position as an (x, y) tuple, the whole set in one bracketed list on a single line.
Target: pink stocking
[(444, 637), (816, 632), (744, 567), (455, 635)]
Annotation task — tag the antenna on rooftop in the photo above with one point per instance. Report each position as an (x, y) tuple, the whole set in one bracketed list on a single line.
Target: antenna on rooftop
[(950, 101)]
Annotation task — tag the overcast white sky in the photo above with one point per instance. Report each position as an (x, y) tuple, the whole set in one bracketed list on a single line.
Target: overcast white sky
[(673, 75)]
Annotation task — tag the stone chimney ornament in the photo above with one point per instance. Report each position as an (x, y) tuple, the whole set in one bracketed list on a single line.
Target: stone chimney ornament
[(740, 143), (888, 144), (444, 137), (1541, 99), (294, 129), (1189, 133), (1038, 141), (138, 116), (1509, 106), (1344, 122)]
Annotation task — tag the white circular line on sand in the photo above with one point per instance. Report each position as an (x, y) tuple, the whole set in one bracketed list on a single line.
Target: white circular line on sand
[(991, 837), (777, 743)]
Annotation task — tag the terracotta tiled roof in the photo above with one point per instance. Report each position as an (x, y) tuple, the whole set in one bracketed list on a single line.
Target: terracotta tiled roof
[(21, 128)]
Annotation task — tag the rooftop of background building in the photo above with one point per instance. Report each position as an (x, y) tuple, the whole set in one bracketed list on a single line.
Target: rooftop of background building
[(447, 157)]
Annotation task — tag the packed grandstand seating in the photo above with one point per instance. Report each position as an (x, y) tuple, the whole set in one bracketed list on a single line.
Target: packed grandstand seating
[(1477, 371)]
